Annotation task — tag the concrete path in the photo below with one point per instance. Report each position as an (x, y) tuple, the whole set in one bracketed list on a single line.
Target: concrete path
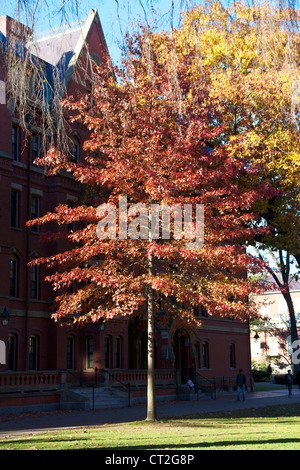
[(36, 422)]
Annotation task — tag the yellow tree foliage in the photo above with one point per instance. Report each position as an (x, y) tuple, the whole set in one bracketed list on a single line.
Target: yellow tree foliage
[(248, 58)]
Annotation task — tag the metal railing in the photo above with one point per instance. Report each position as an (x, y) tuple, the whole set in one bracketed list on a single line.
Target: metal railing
[(206, 385), (102, 373)]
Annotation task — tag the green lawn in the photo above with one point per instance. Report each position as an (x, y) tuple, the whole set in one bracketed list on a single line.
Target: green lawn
[(266, 428)]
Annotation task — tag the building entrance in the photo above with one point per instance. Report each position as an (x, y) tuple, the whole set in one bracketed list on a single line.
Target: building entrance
[(181, 350)]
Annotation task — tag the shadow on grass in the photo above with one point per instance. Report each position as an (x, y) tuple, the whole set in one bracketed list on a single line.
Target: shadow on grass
[(276, 443), (277, 411)]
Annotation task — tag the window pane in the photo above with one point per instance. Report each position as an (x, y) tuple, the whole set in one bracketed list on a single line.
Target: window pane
[(232, 355), (35, 211), (34, 282), (35, 147), (33, 353), (13, 269), (90, 348), (118, 353), (70, 352), (205, 358), (11, 352), (15, 143), (75, 153)]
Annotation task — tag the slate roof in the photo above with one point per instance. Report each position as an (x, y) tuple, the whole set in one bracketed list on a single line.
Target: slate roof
[(55, 55)]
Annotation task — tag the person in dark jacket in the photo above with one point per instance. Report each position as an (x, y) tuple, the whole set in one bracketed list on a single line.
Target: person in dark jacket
[(289, 382), (241, 385)]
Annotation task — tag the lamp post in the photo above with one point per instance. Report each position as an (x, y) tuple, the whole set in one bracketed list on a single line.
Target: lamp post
[(5, 317)]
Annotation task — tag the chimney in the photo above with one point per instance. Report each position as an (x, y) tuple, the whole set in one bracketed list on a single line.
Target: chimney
[(14, 31)]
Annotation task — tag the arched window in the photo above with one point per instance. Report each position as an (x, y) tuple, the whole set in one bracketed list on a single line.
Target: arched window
[(197, 351), (75, 150)]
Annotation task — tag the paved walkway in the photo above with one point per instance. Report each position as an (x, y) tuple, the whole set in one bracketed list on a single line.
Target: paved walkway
[(22, 424)]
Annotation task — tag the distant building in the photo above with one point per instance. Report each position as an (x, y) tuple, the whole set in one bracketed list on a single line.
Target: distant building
[(271, 341)]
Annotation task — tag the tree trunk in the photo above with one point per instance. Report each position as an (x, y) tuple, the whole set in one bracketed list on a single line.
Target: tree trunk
[(151, 403), (294, 332)]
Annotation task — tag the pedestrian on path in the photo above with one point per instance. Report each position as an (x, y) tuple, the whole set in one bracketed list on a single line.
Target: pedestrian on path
[(289, 382), (241, 385), (270, 371)]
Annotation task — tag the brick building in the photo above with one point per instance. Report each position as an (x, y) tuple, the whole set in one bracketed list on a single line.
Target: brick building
[(36, 346)]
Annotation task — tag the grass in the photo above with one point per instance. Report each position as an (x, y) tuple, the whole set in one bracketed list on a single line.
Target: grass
[(268, 428)]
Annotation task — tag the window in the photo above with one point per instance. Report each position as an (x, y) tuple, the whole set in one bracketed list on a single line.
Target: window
[(33, 352), (203, 311), (205, 355), (35, 146), (70, 352), (89, 353), (289, 348), (12, 352), (232, 356), (35, 211), (273, 346), (75, 150), (15, 143), (118, 353), (15, 209), (34, 281), (107, 352), (197, 351), (13, 276), (96, 58)]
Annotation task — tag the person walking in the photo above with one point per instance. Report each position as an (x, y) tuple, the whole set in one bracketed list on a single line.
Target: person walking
[(241, 385), (270, 371), (289, 382)]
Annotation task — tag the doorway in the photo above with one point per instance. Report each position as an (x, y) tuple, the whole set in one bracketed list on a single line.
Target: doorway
[(181, 351)]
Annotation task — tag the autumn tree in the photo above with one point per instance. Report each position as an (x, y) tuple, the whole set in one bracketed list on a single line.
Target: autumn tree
[(250, 54), (152, 146)]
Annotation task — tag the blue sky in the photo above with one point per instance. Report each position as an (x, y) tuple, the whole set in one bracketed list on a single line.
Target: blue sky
[(114, 21)]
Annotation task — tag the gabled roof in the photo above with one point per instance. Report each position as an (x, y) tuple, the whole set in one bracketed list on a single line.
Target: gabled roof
[(62, 49), (56, 54)]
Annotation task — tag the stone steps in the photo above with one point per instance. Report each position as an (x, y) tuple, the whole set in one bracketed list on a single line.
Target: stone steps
[(100, 398)]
